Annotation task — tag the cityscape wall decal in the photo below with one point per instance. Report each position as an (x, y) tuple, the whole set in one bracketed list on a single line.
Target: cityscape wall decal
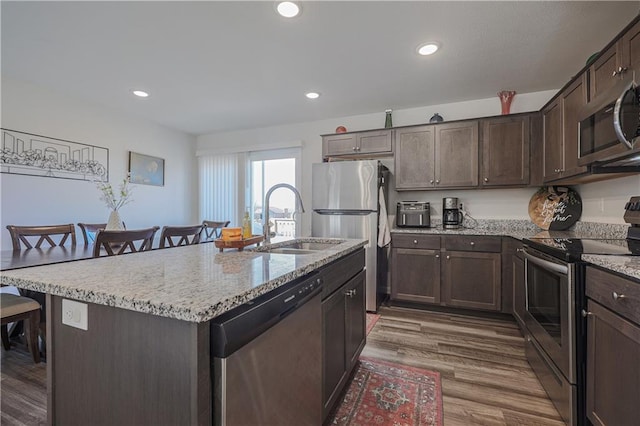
[(29, 154)]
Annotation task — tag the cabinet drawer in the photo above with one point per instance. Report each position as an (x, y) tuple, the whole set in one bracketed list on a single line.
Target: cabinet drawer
[(339, 272), (616, 293), (417, 241), (472, 243)]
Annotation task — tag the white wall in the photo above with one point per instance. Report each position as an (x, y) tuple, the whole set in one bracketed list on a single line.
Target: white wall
[(29, 200), (602, 202)]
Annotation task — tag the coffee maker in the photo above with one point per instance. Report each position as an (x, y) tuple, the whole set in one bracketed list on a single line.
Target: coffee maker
[(451, 214)]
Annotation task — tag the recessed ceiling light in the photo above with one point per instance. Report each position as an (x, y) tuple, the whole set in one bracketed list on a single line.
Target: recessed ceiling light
[(140, 93), (428, 48), (288, 9), (312, 95)]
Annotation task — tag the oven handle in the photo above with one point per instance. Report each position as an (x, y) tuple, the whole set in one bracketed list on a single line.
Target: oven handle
[(555, 267)]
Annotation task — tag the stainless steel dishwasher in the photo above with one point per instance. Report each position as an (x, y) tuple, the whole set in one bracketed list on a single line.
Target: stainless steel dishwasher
[(267, 358)]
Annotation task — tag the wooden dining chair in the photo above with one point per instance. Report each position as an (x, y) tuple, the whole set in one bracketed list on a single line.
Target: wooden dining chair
[(184, 235), (17, 308), (90, 228), (21, 234), (121, 242), (213, 229)]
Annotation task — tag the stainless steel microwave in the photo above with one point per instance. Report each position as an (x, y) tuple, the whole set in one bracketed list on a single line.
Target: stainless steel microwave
[(609, 126)]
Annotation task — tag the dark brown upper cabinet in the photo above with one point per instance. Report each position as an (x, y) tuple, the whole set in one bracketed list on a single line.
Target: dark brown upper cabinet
[(360, 144), (553, 144), (630, 49), (457, 155), (620, 59), (560, 122), (440, 156), (505, 151), (414, 158)]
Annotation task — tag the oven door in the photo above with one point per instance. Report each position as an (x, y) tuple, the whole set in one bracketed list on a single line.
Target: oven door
[(550, 303)]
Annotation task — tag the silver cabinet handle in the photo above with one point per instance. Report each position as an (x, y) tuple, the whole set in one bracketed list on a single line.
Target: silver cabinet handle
[(448, 257), (472, 243), (350, 293), (354, 148), (437, 181), (586, 313), (431, 181), (519, 250), (415, 241), (617, 296), (486, 179), (437, 256)]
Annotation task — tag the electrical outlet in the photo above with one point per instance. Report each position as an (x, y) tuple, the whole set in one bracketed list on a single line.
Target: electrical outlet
[(74, 314)]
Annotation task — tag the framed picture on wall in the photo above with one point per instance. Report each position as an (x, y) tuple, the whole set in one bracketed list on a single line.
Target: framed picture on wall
[(145, 169)]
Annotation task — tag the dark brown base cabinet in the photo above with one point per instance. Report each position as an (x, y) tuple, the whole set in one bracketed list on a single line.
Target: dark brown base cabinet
[(415, 275), (344, 325), (471, 280), (468, 277), (613, 349)]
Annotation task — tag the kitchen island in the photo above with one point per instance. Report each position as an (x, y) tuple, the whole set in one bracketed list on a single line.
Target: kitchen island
[(144, 357)]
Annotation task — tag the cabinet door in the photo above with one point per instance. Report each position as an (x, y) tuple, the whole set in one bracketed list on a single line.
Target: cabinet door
[(471, 280), (339, 144), (519, 295), (505, 151), (613, 376), (631, 50), (333, 346), (573, 98), (457, 154), (377, 142), (355, 318), (553, 144), (415, 275), (601, 71), (414, 158)]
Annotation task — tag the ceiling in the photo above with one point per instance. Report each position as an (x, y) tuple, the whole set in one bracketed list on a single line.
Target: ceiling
[(223, 66)]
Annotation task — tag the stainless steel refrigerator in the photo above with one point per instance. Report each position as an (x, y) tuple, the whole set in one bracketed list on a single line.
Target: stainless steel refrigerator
[(345, 205)]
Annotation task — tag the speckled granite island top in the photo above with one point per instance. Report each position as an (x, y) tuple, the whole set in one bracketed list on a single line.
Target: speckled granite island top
[(193, 283), (626, 265)]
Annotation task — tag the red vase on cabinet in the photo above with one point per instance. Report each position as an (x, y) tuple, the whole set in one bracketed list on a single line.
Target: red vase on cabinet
[(506, 97)]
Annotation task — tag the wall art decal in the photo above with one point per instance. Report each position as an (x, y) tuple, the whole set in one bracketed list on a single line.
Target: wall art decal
[(36, 155), (145, 169)]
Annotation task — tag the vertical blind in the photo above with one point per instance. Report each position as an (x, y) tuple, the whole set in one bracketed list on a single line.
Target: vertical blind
[(218, 176)]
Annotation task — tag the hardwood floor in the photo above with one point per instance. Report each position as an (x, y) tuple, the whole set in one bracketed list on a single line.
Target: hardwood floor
[(485, 377), (23, 389)]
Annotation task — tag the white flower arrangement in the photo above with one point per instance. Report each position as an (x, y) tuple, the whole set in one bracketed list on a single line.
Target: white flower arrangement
[(108, 196)]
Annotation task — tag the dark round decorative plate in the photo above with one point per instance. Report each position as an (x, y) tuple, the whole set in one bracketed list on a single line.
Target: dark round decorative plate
[(555, 208)]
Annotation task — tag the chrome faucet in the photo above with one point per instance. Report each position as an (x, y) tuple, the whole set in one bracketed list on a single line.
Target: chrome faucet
[(265, 224)]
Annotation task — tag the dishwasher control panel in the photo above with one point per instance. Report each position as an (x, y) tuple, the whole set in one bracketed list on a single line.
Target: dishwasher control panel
[(237, 327)]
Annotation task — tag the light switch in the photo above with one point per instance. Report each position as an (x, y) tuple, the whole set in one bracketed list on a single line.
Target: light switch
[(74, 314)]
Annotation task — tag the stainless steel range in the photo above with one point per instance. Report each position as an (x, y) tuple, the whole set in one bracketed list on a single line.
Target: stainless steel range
[(555, 298)]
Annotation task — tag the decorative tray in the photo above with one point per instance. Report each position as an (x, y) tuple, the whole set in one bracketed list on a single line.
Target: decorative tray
[(239, 244)]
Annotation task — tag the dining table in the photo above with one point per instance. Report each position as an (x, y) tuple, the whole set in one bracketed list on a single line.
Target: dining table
[(15, 259)]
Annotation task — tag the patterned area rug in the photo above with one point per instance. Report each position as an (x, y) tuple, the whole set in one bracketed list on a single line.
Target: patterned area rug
[(372, 319), (385, 393)]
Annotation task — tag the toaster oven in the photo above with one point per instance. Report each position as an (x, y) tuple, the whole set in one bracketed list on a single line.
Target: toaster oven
[(413, 214)]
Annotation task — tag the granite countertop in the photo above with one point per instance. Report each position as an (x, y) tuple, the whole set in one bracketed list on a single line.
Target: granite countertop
[(520, 229), (192, 283), (627, 265)]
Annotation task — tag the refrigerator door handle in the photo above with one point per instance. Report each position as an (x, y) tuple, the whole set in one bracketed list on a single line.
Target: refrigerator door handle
[(344, 212)]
